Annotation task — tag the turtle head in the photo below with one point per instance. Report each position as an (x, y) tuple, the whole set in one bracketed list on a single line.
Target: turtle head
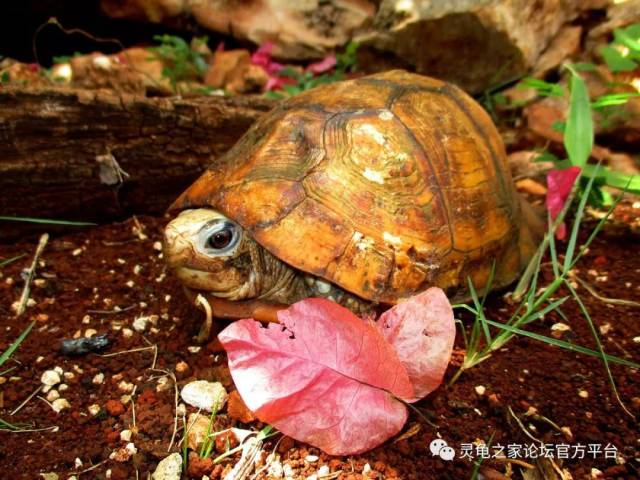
[(211, 253)]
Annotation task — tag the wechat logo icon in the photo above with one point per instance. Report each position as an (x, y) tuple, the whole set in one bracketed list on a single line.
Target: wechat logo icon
[(440, 448)]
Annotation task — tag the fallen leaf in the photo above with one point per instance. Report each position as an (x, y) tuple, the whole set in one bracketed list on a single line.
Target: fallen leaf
[(559, 185), (422, 331), (322, 376)]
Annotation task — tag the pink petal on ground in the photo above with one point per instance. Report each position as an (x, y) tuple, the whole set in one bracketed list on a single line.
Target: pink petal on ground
[(559, 185), (323, 376), (422, 330), (323, 65)]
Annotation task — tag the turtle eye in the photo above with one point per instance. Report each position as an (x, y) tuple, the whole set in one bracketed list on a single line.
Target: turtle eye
[(219, 237)]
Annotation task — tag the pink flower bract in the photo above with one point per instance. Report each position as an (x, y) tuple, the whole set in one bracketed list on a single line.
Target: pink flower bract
[(322, 376), (559, 185), (422, 330)]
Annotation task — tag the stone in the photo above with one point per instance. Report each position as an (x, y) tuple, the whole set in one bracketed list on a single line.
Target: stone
[(170, 468), (197, 425), (60, 404), (50, 378), (473, 43), (299, 30), (565, 44), (198, 466), (232, 70), (204, 395)]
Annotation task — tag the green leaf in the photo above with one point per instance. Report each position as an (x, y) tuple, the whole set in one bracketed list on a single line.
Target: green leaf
[(578, 134), (47, 221), (12, 348), (545, 89), (622, 37), (4, 263), (630, 183), (612, 99), (616, 61)]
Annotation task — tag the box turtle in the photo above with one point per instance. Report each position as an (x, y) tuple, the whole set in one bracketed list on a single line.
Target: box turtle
[(364, 191)]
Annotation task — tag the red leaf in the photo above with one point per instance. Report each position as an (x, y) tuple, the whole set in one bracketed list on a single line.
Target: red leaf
[(422, 331), (324, 376), (559, 185), (323, 65)]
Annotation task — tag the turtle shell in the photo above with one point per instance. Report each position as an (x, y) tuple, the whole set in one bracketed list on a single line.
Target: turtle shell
[(384, 185)]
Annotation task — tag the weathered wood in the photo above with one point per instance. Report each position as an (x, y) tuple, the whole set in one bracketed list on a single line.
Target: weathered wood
[(57, 149)]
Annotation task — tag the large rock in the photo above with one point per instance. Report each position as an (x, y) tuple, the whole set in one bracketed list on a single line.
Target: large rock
[(474, 43), (300, 30)]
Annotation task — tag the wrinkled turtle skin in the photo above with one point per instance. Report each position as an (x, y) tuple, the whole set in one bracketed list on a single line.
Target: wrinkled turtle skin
[(384, 186)]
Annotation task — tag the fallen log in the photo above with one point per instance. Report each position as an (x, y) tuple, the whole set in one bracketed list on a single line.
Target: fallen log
[(100, 156)]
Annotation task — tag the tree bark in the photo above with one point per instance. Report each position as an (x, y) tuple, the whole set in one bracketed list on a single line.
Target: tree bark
[(99, 156)]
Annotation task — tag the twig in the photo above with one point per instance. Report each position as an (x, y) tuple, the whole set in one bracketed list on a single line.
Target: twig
[(250, 455), (93, 467), (113, 312), (522, 427), (612, 301), (44, 238), (19, 407)]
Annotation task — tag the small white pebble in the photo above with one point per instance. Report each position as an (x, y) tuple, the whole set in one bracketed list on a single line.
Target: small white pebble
[(130, 284), (167, 298), (94, 409), (53, 395), (596, 474), (60, 404), (480, 389), (636, 339), (324, 471), (194, 349), (98, 378), (31, 302), (127, 333), (3, 380), (9, 281), (63, 387), (125, 386), (50, 377), (78, 369), (163, 384), (161, 277), (583, 394), (140, 324), (157, 246), (78, 463), (567, 432), (107, 474), (76, 252), (311, 458), (86, 320), (605, 328), (137, 269), (90, 332), (287, 470), (69, 375), (121, 261), (560, 327), (125, 435), (39, 359), (39, 282), (182, 367), (366, 469)]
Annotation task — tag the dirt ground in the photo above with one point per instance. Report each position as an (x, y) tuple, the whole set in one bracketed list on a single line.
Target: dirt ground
[(83, 278)]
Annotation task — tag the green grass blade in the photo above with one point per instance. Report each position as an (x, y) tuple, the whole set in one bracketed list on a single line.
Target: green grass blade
[(12, 348), (566, 345), (47, 221), (541, 313), (596, 337), (480, 309), (578, 133), (573, 239), (9, 261)]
